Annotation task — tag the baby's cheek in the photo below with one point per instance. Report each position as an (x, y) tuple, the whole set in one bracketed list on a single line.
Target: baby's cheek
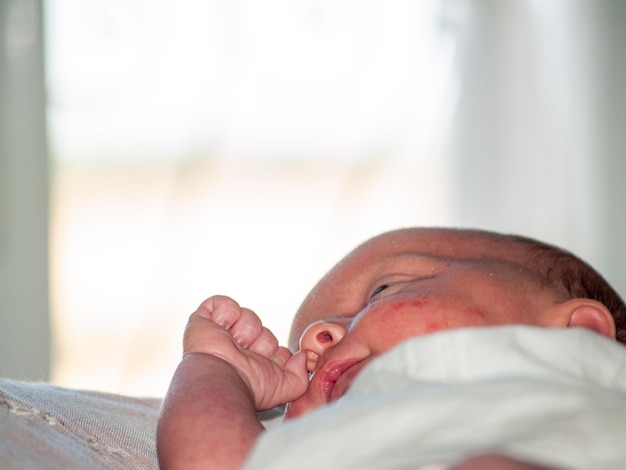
[(400, 320), (473, 313), (432, 327)]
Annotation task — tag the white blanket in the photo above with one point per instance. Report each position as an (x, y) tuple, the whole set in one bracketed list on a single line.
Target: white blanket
[(551, 396)]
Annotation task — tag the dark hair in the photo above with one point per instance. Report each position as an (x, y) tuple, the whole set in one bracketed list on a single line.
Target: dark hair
[(562, 268)]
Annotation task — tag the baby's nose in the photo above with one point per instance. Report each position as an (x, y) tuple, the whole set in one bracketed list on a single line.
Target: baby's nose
[(317, 338)]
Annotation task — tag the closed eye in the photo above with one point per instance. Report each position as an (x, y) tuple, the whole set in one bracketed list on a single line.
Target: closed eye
[(378, 290)]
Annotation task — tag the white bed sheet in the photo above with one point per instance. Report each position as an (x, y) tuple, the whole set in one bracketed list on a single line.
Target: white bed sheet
[(552, 396)]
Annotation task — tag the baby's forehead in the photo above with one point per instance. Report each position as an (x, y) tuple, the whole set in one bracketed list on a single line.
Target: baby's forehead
[(443, 244), (408, 250)]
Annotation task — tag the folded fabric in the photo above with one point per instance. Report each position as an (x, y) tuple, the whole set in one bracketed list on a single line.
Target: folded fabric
[(552, 396)]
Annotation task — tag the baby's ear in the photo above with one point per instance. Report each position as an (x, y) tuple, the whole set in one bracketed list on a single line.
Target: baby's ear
[(587, 313)]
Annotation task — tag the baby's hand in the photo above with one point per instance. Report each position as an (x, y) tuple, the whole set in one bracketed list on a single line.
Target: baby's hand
[(220, 327)]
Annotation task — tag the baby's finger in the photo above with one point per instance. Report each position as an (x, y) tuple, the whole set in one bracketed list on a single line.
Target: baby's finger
[(220, 309), (247, 328), (203, 336), (265, 344), (281, 356)]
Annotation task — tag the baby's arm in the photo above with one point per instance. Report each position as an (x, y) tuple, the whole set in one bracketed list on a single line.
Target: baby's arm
[(232, 367)]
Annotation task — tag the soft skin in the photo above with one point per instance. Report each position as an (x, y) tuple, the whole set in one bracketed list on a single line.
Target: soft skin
[(417, 281), (398, 285), (232, 367)]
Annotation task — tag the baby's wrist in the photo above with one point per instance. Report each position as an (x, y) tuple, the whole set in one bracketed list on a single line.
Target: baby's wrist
[(221, 372)]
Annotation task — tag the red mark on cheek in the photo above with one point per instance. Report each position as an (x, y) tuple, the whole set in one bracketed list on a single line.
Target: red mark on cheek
[(431, 327)]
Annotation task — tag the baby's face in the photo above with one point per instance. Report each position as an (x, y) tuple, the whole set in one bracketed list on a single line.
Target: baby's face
[(406, 284)]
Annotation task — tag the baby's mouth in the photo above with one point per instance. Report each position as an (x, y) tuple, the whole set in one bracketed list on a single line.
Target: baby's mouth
[(337, 379)]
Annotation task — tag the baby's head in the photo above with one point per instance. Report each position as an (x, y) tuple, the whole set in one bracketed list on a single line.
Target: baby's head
[(518, 280), (417, 281)]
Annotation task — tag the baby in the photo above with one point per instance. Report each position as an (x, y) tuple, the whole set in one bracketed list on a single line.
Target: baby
[(393, 287)]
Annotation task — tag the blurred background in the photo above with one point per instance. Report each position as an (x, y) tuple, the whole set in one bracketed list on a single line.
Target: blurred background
[(153, 153)]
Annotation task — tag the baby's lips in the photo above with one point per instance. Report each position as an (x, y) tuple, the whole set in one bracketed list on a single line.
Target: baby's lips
[(344, 382)]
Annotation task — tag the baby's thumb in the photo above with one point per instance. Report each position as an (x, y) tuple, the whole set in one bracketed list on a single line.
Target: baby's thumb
[(296, 373)]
